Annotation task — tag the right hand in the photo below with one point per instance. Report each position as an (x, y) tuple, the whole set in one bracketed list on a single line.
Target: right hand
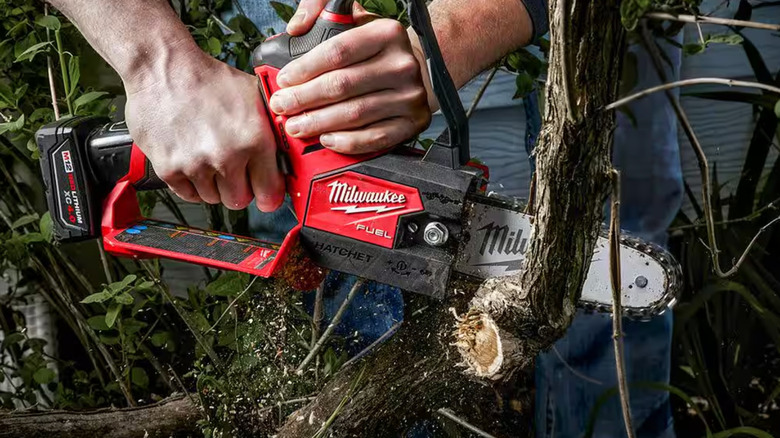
[(202, 125)]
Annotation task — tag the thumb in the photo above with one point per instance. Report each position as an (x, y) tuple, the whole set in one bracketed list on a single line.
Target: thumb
[(305, 16)]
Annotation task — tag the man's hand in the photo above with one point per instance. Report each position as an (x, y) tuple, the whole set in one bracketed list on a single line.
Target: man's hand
[(200, 122), (203, 128), (360, 91)]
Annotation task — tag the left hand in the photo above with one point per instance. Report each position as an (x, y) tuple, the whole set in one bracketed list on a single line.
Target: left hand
[(360, 91)]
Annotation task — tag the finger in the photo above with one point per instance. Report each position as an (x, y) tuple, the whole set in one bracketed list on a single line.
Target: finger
[(234, 188), (372, 138), (183, 188), (339, 85), (207, 188), (267, 183), (305, 16), (357, 112), (344, 49)]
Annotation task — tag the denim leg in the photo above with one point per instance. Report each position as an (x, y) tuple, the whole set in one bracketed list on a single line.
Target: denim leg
[(581, 367)]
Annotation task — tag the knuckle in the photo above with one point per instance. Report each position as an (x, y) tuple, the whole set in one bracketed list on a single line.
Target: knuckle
[(391, 29), (338, 84), (337, 52), (356, 110), (406, 66)]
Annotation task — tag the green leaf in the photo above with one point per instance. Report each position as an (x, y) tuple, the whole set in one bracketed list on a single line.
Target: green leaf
[(98, 322), (732, 39), (109, 340), (124, 298), (285, 12), (236, 37), (47, 227), (215, 46), (24, 220), (524, 83), (128, 280), (228, 284), (159, 339), (45, 114), (11, 339), (113, 312), (139, 377), (31, 51), (777, 109), (74, 72), (87, 98), (144, 285), (14, 126), (44, 376), (98, 297), (693, 48), (33, 237), (49, 22)]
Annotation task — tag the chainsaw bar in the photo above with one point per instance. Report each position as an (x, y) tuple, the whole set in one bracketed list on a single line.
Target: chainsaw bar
[(497, 234)]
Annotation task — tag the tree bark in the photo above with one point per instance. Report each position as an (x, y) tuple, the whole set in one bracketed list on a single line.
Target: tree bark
[(172, 418)]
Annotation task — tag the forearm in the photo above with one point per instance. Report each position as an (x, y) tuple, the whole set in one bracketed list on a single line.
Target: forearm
[(475, 34), (138, 38)]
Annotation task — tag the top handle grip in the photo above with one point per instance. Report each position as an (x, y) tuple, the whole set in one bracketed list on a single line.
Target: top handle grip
[(279, 50)]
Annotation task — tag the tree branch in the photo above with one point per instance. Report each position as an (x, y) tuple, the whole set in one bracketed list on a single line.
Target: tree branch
[(711, 20), (617, 310), (170, 418), (686, 82)]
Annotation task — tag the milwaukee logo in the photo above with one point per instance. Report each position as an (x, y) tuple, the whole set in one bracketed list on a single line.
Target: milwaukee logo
[(344, 193), (499, 240)]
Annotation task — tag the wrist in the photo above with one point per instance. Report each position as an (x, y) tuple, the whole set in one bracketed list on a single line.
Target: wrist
[(161, 60)]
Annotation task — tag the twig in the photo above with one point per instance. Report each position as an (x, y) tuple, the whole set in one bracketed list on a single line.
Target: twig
[(104, 261), (332, 326), (451, 416), (704, 167), (481, 91), (50, 71), (617, 311), (5, 118), (230, 306), (316, 320), (64, 68), (694, 81), (374, 344), (712, 20), (756, 214), (288, 402)]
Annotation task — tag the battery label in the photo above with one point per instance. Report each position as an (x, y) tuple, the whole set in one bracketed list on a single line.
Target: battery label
[(70, 193)]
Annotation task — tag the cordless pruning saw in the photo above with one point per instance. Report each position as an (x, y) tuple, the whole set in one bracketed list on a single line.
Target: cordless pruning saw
[(407, 218)]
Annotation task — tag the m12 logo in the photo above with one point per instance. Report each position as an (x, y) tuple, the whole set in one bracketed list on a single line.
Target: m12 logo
[(361, 207), (67, 162)]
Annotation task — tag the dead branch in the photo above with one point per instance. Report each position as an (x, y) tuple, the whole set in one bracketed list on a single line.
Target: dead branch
[(663, 16), (617, 310), (687, 82), (175, 417)]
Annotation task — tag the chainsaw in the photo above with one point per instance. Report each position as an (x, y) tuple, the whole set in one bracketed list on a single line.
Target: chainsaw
[(410, 218)]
